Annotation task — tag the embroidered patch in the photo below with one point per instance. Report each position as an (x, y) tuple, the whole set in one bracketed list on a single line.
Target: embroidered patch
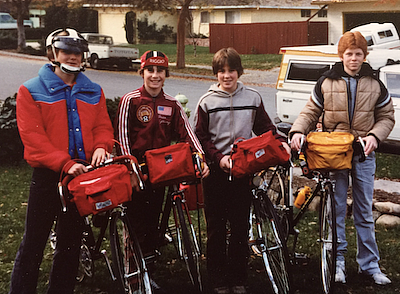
[(168, 158), (164, 110), (144, 113)]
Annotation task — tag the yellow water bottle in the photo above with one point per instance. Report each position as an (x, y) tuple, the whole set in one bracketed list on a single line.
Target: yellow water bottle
[(302, 196)]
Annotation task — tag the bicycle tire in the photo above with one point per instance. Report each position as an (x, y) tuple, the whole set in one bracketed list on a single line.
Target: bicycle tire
[(128, 264), (276, 193), (187, 245), (271, 244), (328, 239)]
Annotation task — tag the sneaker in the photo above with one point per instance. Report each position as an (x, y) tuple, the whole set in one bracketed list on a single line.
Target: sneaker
[(340, 276), (221, 290), (381, 279), (238, 290)]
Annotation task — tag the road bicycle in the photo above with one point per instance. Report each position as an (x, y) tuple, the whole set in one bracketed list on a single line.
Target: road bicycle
[(127, 267), (280, 191), (176, 226), (266, 237)]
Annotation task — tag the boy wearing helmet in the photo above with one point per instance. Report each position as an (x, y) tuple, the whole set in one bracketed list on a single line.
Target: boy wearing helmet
[(148, 118), (61, 116), (354, 100)]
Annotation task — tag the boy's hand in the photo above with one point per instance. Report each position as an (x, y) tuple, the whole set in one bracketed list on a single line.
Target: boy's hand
[(77, 169), (295, 142), (206, 171), (287, 148), (224, 164), (370, 144), (99, 156)]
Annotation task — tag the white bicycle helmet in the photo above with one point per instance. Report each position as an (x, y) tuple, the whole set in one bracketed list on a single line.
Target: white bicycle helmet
[(71, 40)]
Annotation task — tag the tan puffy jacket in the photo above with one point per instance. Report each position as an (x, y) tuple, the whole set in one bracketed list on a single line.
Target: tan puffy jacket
[(369, 117)]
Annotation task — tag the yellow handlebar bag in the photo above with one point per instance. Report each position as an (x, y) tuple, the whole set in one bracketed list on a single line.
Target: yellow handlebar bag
[(329, 150)]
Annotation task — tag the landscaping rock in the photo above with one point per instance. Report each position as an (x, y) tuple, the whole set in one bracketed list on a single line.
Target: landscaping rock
[(388, 220)]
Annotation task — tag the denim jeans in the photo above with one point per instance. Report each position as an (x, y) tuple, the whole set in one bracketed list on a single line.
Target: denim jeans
[(362, 176), (44, 207)]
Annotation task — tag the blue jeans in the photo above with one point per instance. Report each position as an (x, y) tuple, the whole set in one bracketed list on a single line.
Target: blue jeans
[(44, 207), (362, 175)]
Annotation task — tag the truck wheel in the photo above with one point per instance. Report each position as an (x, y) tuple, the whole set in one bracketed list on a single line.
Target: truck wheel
[(94, 61)]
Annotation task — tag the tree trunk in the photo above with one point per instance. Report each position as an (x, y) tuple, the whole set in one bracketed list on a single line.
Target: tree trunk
[(181, 34), (21, 33)]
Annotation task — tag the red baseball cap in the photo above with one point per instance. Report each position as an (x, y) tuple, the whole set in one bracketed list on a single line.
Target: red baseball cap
[(156, 58)]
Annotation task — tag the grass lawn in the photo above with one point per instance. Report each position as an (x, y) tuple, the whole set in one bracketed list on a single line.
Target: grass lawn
[(171, 273)]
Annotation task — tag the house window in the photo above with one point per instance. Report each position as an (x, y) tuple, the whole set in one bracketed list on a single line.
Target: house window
[(205, 17), (305, 13), (232, 17), (323, 13)]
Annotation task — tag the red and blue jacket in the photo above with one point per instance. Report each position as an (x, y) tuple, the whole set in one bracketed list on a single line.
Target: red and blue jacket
[(58, 122)]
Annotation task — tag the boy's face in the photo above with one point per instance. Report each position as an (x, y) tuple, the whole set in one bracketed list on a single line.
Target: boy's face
[(227, 79), (352, 60), (153, 78), (69, 58)]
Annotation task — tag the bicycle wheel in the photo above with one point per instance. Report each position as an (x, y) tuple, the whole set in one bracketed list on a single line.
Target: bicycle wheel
[(270, 244), (328, 239), (276, 193), (187, 244), (128, 264)]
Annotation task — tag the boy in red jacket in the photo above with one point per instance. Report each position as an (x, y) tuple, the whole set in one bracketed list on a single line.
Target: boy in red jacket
[(61, 116)]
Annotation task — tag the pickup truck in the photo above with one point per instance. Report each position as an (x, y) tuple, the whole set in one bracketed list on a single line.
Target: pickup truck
[(7, 22), (103, 52), (302, 66)]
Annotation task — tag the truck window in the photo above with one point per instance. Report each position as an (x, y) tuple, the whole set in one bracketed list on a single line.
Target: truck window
[(370, 42), (385, 34), (299, 71), (393, 85)]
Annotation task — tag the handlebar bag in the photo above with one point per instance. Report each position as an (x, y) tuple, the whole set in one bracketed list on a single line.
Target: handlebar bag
[(101, 189), (258, 153), (329, 150), (170, 165)]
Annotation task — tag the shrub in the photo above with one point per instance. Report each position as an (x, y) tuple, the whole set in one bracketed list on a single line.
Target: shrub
[(11, 148), (8, 39)]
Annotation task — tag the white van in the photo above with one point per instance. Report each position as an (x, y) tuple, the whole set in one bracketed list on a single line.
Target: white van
[(379, 35), (301, 67)]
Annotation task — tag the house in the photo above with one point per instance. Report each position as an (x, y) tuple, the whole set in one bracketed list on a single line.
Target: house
[(344, 15), (257, 11), (111, 19)]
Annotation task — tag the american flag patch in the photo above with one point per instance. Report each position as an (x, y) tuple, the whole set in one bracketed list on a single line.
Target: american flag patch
[(164, 110)]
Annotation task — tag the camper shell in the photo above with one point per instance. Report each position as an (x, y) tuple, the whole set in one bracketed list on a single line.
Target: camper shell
[(379, 35)]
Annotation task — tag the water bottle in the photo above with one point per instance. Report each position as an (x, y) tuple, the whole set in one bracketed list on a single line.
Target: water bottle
[(302, 196)]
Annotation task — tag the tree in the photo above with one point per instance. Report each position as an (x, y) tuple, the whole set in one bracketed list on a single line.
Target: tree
[(19, 9)]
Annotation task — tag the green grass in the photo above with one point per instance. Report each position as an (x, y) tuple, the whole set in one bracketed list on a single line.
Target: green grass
[(204, 57), (170, 272)]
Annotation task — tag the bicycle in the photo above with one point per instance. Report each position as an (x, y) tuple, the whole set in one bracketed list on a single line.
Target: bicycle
[(128, 267), (181, 232), (266, 238), (279, 190)]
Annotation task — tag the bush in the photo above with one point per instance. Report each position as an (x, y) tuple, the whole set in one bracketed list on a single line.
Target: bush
[(149, 32), (8, 39), (11, 148), (112, 107)]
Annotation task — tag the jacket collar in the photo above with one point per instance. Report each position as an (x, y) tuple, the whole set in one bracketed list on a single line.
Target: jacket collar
[(54, 84), (338, 72)]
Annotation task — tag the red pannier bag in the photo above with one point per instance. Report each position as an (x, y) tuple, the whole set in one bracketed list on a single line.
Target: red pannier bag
[(193, 195), (255, 154), (170, 165), (101, 189)]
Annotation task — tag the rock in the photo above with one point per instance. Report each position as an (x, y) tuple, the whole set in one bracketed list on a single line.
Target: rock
[(388, 207), (376, 214), (388, 221)]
